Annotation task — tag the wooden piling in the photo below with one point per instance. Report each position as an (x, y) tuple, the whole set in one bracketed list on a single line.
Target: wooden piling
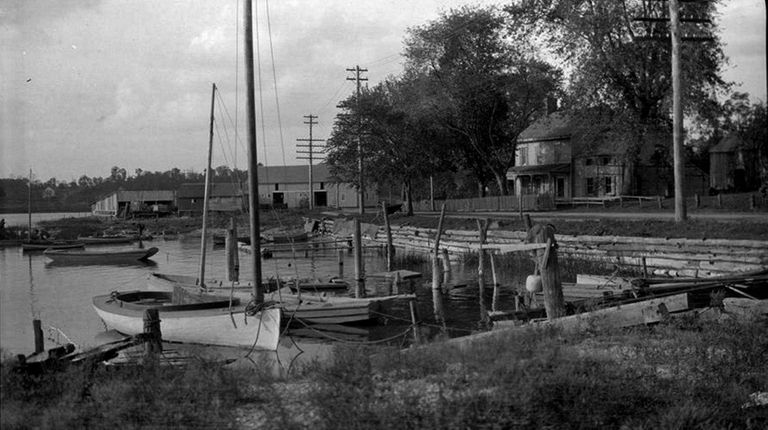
[(719, 201), (415, 323), (482, 227), (554, 304), (390, 246), (446, 266), (435, 262), (39, 340), (359, 268), (495, 300), (153, 342), (697, 200), (230, 247), (340, 259)]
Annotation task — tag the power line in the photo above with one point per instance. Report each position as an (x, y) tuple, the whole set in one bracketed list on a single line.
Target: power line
[(361, 188), (310, 153)]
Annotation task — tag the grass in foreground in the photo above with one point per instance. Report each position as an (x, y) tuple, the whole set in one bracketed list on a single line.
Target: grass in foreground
[(688, 374)]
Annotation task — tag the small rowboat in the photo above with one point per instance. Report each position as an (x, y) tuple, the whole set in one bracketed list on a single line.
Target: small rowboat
[(207, 320), (42, 246), (98, 240), (100, 257)]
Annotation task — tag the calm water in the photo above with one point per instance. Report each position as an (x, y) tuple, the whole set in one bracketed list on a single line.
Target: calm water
[(23, 218), (32, 287)]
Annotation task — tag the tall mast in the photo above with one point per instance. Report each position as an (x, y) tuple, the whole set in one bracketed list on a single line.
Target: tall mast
[(253, 180), (29, 209), (207, 194)]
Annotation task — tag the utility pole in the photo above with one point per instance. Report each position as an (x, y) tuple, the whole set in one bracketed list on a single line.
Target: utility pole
[(309, 154), (676, 39), (361, 189), (677, 112)]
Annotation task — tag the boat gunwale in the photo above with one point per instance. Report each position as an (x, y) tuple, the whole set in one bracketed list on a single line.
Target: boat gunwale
[(126, 300)]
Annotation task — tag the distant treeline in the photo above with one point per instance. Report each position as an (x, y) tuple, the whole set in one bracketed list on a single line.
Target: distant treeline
[(76, 196)]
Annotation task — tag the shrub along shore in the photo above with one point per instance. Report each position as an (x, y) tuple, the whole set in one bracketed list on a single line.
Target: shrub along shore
[(689, 373)]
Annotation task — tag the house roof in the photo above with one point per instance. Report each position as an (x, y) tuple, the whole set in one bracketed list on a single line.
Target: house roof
[(293, 174), (729, 143), (555, 126), (218, 189), (268, 175), (145, 195)]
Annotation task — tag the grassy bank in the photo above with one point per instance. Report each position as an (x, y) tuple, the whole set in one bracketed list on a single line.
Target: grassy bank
[(684, 374), (70, 228)]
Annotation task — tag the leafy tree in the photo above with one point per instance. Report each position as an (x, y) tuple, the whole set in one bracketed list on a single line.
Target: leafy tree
[(614, 64), (398, 147), (480, 84)]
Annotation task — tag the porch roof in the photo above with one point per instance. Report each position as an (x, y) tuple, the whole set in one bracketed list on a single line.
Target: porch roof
[(541, 169)]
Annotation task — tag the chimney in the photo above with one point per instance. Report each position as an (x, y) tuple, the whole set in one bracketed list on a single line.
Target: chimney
[(551, 105)]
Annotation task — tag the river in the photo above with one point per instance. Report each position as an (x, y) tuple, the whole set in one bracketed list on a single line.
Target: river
[(33, 287)]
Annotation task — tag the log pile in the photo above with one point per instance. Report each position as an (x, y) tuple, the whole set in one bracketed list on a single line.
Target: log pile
[(660, 256)]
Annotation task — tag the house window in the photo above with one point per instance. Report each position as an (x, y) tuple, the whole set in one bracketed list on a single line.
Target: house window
[(590, 187), (276, 187), (608, 185), (589, 161), (322, 185), (606, 160), (524, 156)]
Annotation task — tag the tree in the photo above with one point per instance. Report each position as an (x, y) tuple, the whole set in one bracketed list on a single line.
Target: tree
[(615, 66), (397, 148), (480, 84)]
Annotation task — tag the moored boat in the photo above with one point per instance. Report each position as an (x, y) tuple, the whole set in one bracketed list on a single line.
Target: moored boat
[(45, 245), (211, 320), (97, 240), (100, 257)]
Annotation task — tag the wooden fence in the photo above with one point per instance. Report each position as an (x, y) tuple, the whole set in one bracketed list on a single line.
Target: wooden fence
[(531, 202)]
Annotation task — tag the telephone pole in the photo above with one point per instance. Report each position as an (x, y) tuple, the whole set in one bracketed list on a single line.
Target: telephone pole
[(309, 153), (678, 133), (361, 189)]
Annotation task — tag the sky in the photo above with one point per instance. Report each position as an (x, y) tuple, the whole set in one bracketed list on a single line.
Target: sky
[(90, 84)]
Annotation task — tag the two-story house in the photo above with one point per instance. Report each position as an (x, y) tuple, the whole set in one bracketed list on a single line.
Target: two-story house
[(568, 156), (556, 157)]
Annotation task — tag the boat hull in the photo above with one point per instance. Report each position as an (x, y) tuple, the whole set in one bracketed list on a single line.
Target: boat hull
[(56, 246), (100, 257), (217, 325)]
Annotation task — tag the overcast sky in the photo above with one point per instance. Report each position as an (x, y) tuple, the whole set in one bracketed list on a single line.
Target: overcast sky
[(89, 84)]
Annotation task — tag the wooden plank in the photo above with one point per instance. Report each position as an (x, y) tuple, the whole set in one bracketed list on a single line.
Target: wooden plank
[(627, 315), (506, 249)]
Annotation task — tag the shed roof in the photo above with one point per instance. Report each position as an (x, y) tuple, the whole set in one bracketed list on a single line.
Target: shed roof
[(729, 143), (145, 195)]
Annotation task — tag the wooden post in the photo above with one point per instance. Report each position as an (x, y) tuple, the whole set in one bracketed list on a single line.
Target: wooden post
[(153, 342), (645, 268), (446, 266), (394, 287), (658, 198), (495, 300), (230, 248), (482, 227), (359, 268), (415, 323), (697, 200), (554, 304), (752, 202), (340, 258), (719, 201), (390, 247), (621, 201), (39, 341), (435, 262)]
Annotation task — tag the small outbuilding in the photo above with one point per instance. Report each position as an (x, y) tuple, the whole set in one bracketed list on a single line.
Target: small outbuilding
[(122, 203)]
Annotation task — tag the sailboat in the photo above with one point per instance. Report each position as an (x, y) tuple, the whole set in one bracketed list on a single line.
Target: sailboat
[(204, 318)]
